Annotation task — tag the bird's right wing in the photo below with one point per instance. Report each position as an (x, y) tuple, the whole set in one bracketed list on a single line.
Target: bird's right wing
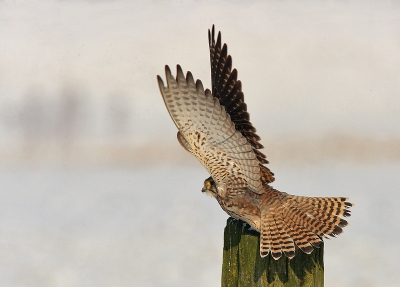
[(206, 130)]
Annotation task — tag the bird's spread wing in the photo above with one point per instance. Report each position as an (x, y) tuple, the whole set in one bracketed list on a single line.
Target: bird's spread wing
[(207, 131), (228, 89)]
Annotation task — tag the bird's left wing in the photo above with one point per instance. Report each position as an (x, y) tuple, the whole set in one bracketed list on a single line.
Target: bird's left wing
[(206, 130), (228, 89)]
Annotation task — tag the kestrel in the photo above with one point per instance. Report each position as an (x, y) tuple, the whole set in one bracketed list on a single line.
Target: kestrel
[(214, 126)]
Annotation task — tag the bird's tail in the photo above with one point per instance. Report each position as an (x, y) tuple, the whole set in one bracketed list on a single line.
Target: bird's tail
[(289, 222)]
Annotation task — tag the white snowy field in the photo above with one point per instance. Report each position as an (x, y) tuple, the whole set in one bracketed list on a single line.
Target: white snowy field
[(110, 226)]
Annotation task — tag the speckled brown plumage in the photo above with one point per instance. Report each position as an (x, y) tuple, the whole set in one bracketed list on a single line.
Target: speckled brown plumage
[(215, 127), (228, 89)]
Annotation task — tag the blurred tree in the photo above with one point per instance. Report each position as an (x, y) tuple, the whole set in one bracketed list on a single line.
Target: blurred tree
[(69, 122)]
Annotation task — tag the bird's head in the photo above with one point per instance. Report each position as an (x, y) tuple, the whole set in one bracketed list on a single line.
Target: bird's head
[(210, 187)]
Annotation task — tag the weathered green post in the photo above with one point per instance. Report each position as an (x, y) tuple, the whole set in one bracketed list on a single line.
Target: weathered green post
[(243, 266)]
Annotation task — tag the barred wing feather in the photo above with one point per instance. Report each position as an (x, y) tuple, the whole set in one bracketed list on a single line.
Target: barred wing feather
[(207, 131)]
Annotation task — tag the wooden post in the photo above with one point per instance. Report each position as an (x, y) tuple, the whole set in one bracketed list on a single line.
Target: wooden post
[(243, 266)]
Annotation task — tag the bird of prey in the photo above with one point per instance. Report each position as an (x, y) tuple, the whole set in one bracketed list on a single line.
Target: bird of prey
[(215, 127)]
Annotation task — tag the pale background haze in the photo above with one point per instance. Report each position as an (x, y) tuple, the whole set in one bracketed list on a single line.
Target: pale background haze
[(95, 189)]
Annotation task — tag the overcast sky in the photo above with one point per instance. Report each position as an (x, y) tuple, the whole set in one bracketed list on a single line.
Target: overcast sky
[(314, 67)]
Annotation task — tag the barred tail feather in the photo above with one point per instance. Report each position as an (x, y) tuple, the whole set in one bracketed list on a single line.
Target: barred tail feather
[(321, 215), (276, 240), (265, 238), (286, 242), (289, 221)]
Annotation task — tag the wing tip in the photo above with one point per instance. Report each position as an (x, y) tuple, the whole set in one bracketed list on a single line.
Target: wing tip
[(167, 71), (210, 32), (190, 78), (160, 85), (179, 73), (199, 86)]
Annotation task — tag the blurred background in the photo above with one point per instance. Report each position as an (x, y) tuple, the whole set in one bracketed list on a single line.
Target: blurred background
[(95, 189)]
